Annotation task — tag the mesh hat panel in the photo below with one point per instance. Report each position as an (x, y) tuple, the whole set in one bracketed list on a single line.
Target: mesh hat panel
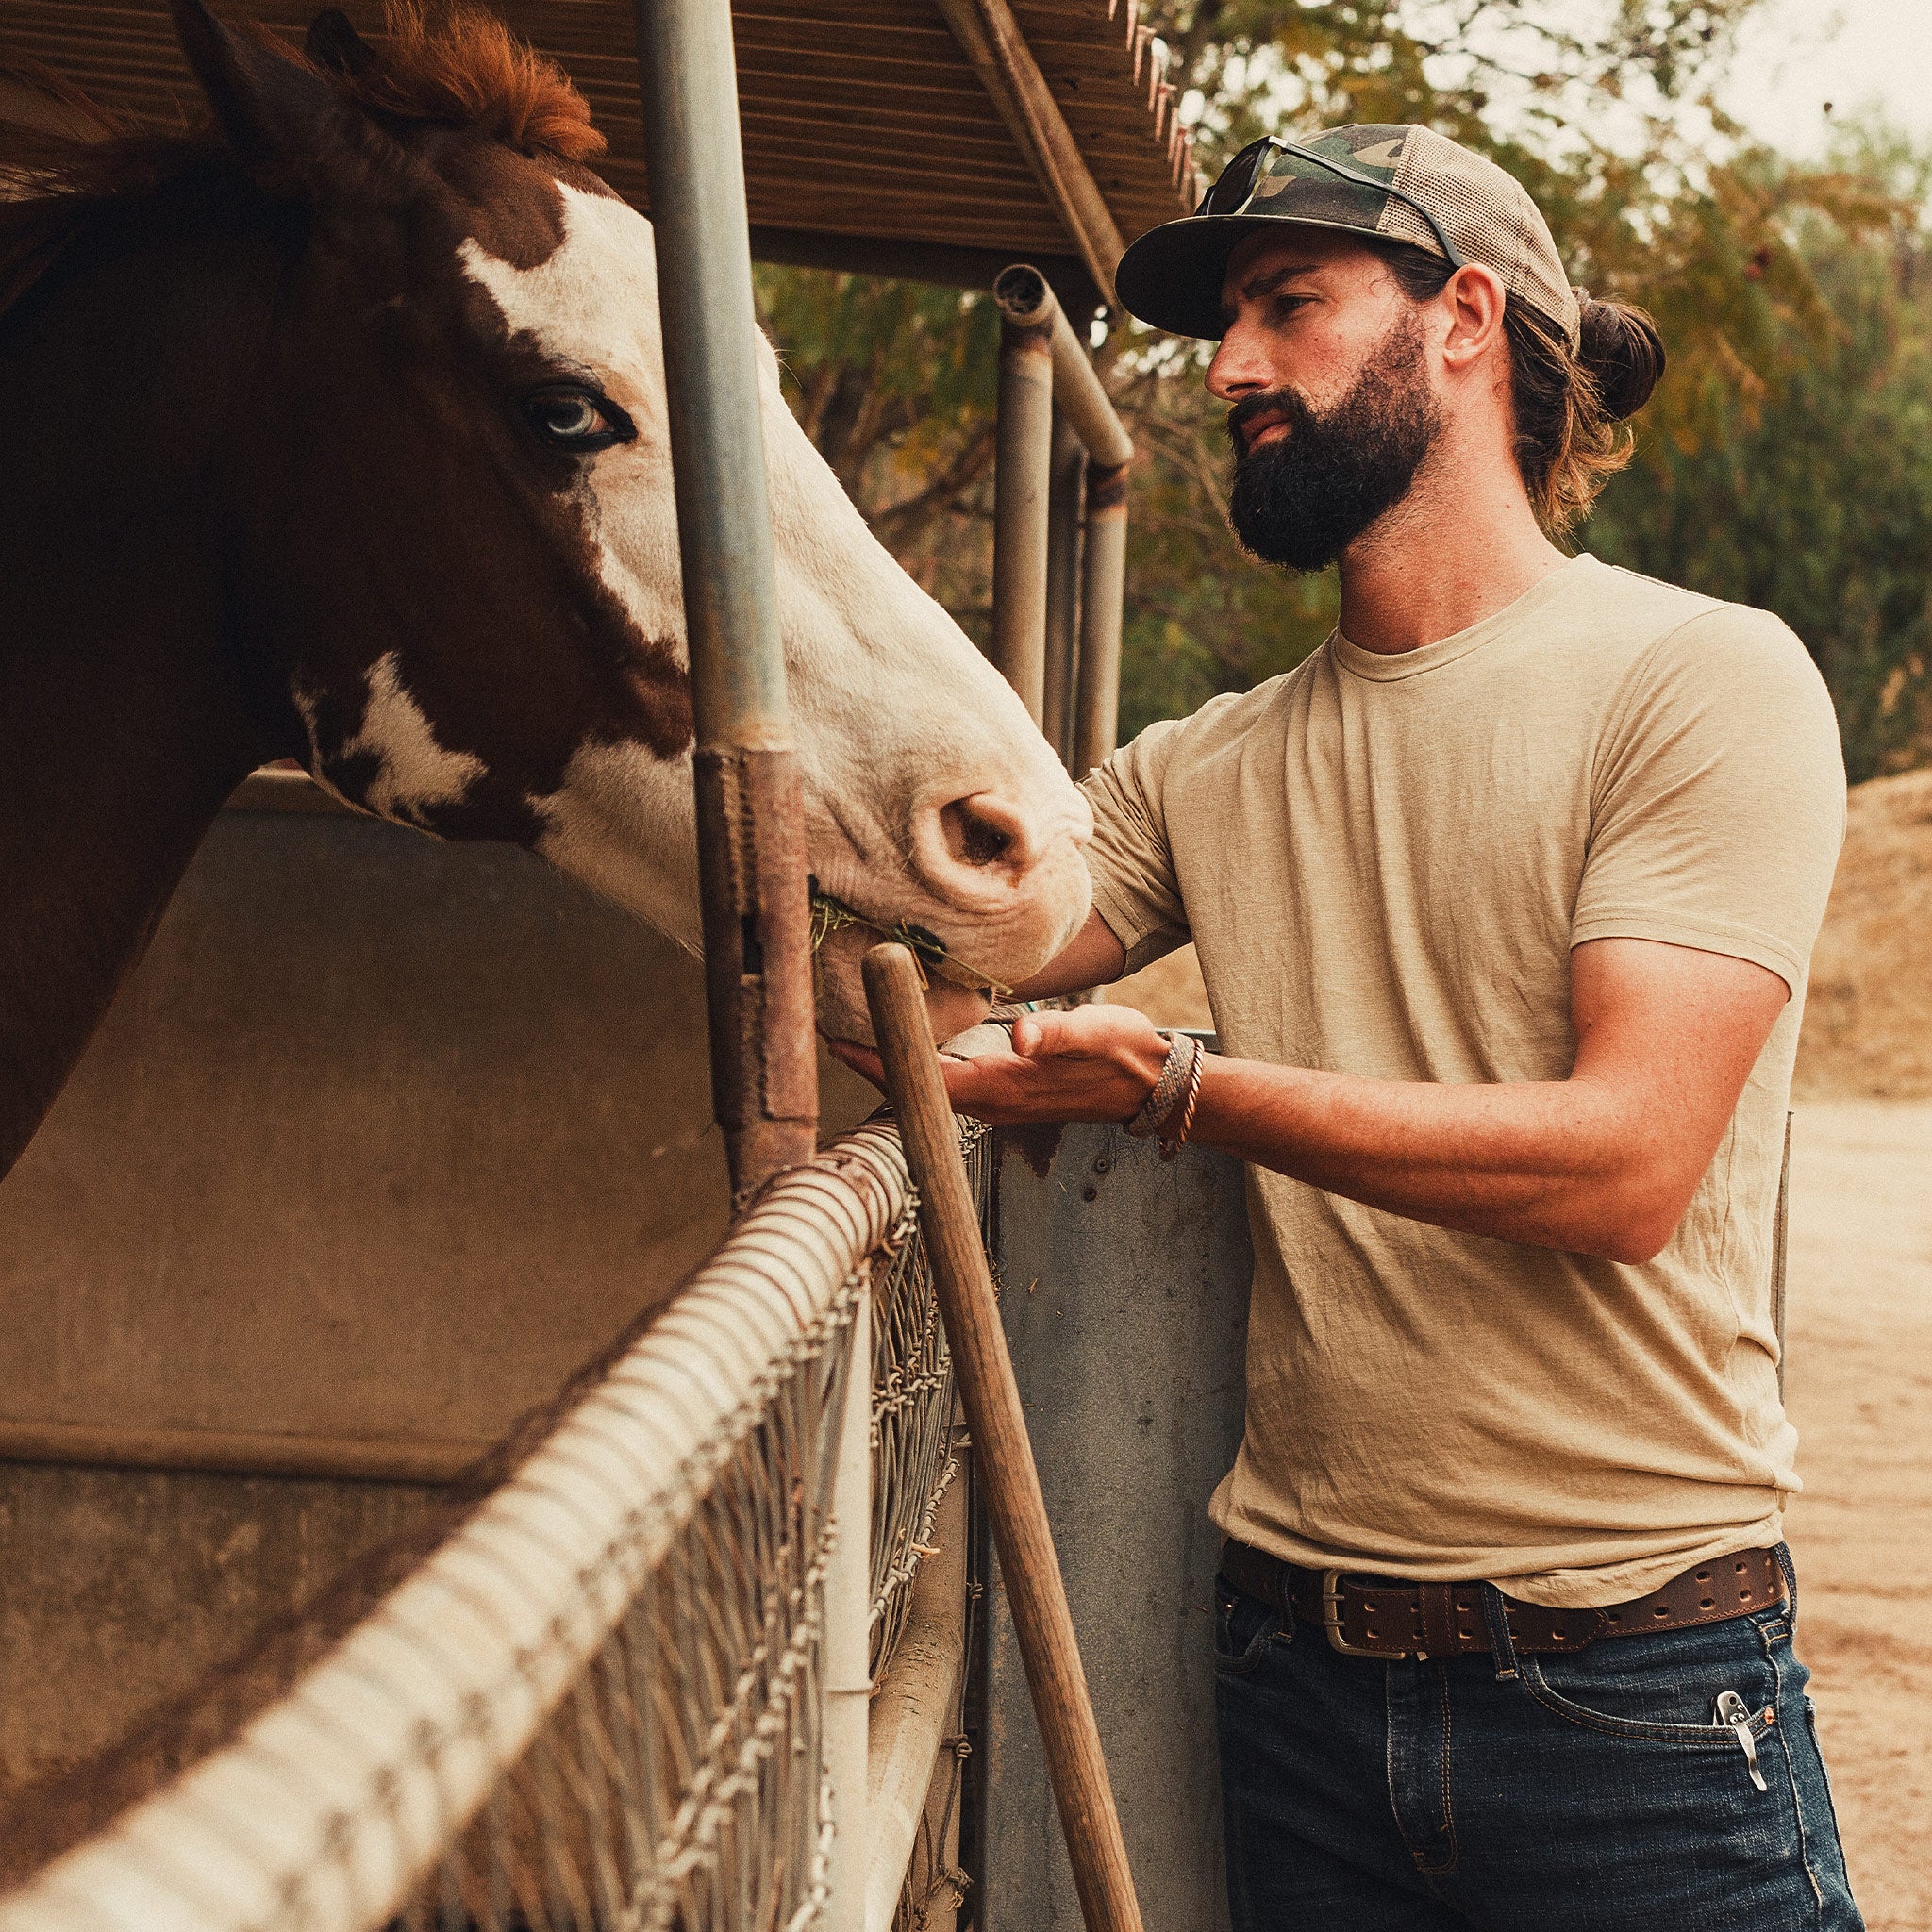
[(1490, 216)]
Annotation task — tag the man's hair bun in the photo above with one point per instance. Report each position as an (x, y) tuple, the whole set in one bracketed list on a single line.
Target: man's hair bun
[(1622, 353)]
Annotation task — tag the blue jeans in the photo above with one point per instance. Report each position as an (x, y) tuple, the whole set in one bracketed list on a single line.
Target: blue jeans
[(1590, 1792)]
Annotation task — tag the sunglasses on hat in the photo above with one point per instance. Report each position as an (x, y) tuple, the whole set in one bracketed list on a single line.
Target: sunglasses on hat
[(1240, 182)]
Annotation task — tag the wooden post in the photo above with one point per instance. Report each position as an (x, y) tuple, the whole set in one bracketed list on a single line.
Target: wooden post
[(1003, 1457)]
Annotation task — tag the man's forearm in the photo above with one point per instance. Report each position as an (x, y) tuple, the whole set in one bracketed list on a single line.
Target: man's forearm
[(1558, 1163), (1603, 1162)]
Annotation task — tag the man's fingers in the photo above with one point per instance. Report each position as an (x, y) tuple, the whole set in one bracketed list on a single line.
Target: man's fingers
[(861, 1059), (981, 1079), (1037, 1034)]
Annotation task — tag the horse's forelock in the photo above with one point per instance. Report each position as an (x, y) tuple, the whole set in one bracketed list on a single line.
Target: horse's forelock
[(468, 70)]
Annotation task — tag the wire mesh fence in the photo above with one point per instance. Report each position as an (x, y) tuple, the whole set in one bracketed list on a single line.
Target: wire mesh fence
[(912, 1414), (596, 1703)]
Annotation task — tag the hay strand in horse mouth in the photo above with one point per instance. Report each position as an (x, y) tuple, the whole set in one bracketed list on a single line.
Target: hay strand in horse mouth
[(929, 951)]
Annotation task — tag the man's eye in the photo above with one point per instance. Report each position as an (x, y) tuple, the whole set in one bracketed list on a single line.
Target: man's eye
[(575, 419)]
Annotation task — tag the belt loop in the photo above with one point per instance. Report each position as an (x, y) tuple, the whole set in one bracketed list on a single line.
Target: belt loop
[(1783, 1553), (1502, 1645)]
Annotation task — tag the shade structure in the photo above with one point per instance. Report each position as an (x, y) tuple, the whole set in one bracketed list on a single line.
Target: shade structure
[(907, 137)]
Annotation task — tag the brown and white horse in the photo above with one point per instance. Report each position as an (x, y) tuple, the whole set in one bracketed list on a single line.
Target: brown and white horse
[(337, 431)]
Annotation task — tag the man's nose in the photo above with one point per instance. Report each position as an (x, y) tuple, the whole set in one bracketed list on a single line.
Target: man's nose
[(1237, 369)]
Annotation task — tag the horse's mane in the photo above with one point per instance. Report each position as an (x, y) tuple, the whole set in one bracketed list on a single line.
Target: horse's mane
[(465, 70)]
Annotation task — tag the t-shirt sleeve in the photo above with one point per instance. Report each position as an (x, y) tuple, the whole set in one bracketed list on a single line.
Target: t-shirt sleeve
[(1135, 890), (1717, 797)]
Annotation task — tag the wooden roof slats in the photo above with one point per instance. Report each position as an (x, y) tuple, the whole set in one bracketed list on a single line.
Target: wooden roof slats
[(863, 119)]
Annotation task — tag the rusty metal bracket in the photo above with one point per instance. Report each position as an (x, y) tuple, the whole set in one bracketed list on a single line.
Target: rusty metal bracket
[(757, 922)]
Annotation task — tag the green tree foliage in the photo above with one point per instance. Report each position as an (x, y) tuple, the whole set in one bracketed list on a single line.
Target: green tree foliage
[(1760, 276), (1811, 494)]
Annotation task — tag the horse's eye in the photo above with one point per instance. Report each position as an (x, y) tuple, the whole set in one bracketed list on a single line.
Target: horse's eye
[(567, 417)]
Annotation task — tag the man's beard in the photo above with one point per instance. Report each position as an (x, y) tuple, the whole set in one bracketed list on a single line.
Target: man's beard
[(1302, 500)]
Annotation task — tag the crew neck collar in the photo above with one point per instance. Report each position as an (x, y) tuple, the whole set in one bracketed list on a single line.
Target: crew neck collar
[(1386, 667)]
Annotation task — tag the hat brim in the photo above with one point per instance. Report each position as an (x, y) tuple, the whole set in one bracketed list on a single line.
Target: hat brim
[(1172, 278)]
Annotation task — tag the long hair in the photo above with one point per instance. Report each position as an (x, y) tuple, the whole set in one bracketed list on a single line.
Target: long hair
[(1570, 406)]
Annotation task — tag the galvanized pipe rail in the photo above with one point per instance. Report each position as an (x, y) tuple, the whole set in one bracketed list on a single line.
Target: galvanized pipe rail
[(1067, 481), (750, 823), (1045, 374), (751, 866)]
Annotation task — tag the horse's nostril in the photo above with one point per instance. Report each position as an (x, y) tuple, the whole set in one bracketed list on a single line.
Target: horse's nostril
[(978, 832)]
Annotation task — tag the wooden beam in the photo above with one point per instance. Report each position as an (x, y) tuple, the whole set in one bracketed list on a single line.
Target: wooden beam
[(992, 40), (913, 262), (238, 1452)]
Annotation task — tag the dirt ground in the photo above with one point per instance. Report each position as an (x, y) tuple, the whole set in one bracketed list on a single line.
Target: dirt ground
[(1858, 1325), (1859, 1333), (1868, 1020)]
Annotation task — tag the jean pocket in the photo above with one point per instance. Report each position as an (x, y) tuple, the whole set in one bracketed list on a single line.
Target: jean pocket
[(1662, 1688), (1243, 1628)]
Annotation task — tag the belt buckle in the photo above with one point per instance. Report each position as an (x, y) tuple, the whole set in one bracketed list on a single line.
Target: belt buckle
[(1331, 1623)]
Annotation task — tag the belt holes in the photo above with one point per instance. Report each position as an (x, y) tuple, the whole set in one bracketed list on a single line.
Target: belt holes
[(1661, 1610), (1703, 1575), (1706, 1602)]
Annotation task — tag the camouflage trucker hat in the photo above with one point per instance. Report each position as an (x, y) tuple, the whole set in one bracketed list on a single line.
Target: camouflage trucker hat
[(1403, 184)]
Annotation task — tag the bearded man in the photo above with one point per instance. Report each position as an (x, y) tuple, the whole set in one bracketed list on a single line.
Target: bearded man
[(1504, 901)]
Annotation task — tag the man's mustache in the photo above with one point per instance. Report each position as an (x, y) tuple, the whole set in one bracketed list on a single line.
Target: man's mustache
[(1266, 406)]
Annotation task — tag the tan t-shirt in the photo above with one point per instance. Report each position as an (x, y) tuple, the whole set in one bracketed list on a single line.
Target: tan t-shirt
[(1384, 863)]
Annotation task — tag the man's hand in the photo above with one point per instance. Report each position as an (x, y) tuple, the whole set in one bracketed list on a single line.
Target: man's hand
[(1097, 1063)]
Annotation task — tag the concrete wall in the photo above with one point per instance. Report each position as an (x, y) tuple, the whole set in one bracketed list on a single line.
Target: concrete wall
[(1126, 1290), (381, 1141)]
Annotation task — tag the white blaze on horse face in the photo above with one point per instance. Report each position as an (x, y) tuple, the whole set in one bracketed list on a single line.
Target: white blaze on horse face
[(414, 771), (897, 715)]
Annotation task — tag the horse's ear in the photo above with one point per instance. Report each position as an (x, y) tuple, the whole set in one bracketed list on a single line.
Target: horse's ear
[(272, 111), (333, 42)]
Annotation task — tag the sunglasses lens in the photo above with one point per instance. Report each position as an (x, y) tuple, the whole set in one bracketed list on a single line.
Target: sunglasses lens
[(1236, 180)]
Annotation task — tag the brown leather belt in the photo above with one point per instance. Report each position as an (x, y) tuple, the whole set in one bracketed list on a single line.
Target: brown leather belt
[(1382, 1617)]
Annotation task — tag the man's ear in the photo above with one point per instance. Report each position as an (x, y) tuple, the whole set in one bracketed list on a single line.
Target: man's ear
[(1475, 297), (273, 113)]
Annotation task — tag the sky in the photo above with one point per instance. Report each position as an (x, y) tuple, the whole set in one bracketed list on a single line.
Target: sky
[(1795, 55)]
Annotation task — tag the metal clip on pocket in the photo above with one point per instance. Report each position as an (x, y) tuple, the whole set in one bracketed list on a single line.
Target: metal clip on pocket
[(1732, 1715)]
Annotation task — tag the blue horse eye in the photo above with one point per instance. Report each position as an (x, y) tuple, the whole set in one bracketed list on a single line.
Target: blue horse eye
[(576, 419), (576, 416)]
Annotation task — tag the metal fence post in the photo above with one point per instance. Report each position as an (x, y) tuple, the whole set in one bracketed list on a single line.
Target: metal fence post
[(751, 828), (848, 1621), (1068, 472), (1103, 601), (1023, 487), (1027, 595)]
